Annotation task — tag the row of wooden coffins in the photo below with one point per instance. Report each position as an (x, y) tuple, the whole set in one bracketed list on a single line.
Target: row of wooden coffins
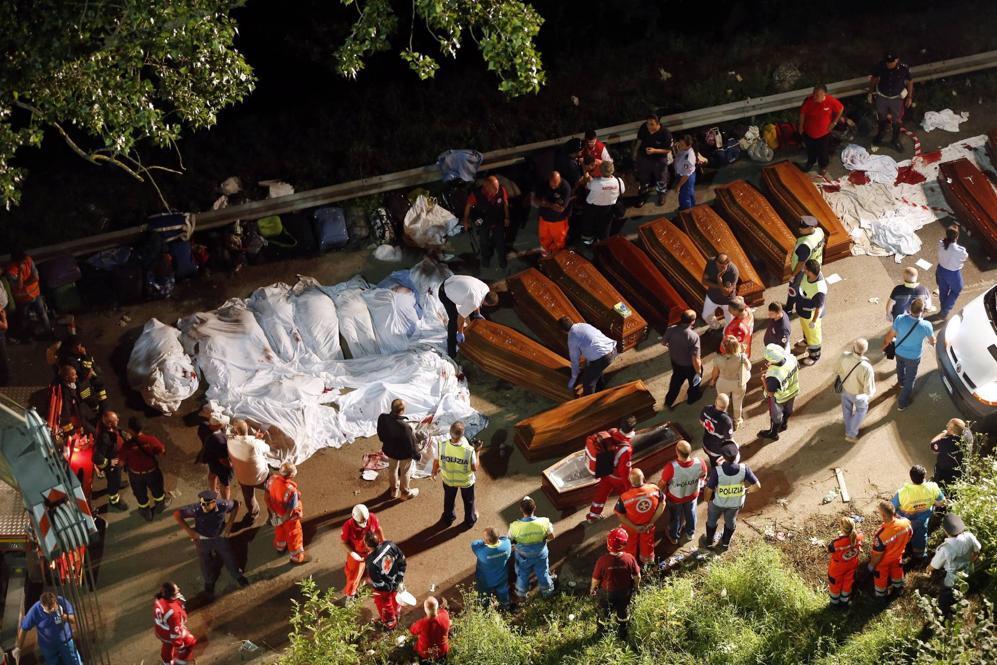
[(970, 194)]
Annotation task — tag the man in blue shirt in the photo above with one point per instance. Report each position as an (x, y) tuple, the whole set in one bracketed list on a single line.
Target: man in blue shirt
[(492, 572), (585, 341), (53, 617), (909, 331), (213, 519)]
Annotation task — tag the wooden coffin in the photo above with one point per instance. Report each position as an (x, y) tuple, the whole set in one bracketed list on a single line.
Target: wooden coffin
[(514, 357), (631, 271), (540, 304), (563, 429), (712, 235), (971, 196), (568, 483), (595, 298), (794, 195), (677, 256), (757, 225)]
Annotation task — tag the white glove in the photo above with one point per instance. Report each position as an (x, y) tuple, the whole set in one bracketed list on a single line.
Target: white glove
[(15, 653)]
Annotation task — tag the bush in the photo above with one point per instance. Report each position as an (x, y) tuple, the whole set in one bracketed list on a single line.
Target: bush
[(322, 631), (879, 642), (973, 498), (481, 636)]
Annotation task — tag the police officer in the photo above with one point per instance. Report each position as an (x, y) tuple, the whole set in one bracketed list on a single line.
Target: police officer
[(491, 573), (530, 535), (891, 90), (809, 245), (456, 461), (639, 509), (91, 388), (212, 519), (110, 439), (726, 487), (810, 301), (781, 386), (917, 501), (490, 202)]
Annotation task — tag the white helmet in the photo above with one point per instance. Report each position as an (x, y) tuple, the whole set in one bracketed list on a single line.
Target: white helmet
[(360, 514), (775, 353)]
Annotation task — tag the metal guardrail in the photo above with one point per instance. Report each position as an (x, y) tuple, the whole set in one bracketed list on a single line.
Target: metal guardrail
[(706, 117)]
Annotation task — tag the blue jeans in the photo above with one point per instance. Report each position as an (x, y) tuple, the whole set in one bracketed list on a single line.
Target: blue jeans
[(538, 565), (687, 194), (60, 653), (919, 526), (41, 311), (853, 409), (906, 373), (713, 515), (949, 287), (679, 513), (501, 591)]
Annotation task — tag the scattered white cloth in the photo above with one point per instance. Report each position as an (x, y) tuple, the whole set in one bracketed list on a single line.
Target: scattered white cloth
[(427, 223), (388, 253), (878, 168), (305, 394), (159, 369), (945, 119), (893, 233)]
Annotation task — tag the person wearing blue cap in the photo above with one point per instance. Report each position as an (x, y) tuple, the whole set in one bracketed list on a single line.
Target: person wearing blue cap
[(213, 518), (492, 572)]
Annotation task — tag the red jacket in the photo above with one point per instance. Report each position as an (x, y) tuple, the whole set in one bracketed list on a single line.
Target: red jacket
[(169, 620), (138, 455), (432, 635)]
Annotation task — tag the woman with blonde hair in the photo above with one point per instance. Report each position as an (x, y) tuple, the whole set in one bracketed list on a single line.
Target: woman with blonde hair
[(845, 551), (731, 372)]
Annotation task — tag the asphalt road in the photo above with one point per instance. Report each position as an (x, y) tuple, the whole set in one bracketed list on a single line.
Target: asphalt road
[(796, 472)]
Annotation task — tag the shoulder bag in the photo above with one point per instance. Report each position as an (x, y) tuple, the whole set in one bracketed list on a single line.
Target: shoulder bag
[(891, 348), (839, 383)]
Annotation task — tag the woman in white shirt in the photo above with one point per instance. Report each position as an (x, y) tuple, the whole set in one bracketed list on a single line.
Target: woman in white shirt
[(731, 373), (948, 274), (600, 203), (685, 169)]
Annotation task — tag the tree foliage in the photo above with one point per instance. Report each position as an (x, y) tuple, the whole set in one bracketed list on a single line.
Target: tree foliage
[(504, 31), (108, 75)]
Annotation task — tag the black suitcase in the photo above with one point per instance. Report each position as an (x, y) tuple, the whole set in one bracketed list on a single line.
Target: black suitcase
[(299, 226), (331, 231)]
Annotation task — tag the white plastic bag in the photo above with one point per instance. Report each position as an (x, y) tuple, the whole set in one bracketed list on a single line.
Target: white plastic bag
[(159, 369), (760, 152), (427, 223), (388, 253)]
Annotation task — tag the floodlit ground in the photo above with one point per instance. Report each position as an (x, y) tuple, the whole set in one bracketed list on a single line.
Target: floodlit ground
[(796, 472)]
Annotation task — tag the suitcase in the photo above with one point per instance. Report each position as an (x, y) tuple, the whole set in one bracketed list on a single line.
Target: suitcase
[(300, 226), (184, 264), (127, 281), (66, 299), (59, 271), (330, 228)]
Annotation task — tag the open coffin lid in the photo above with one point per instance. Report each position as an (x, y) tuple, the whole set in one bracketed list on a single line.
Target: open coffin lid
[(568, 483)]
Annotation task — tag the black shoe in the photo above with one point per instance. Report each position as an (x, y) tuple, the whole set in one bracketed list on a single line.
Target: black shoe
[(782, 428), (640, 202), (769, 434), (447, 523), (898, 146), (160, 506), (209, 588), (806, 168), (146, 513), (878, 139), (243, 581), (661, 198), (118, 505)]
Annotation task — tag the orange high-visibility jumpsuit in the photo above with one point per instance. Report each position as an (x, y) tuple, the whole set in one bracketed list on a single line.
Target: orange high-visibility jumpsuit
[(284, 501), (841, 567), (616, 483), (891, 539), (640, 504)]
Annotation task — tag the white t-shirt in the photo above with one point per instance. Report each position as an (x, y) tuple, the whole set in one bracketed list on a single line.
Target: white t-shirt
[(248, 456), (4, 300), (953, 257), (685, 162), (955, 554), (604, 191), (466, 292)]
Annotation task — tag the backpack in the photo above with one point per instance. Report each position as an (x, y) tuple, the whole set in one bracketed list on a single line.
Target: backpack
[(770, 134), (600, 452), (714, 139), (787, 134)]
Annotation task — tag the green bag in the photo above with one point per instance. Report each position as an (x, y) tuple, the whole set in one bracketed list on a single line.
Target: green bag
[(273, 230)]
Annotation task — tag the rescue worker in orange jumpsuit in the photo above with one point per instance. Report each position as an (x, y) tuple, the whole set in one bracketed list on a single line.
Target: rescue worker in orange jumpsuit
[(844, 551), (617, 481), (353, 535), (888, 550), (639, 509), (25, 286), (169, 615), (284, 502)]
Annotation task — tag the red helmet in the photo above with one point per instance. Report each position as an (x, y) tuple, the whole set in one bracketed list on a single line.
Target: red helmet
[(617, 539)]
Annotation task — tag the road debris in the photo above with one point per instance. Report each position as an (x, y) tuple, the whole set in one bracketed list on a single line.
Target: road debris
[(831, 495)]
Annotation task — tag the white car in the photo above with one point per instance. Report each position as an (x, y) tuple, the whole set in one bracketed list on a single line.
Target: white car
[(967, 359)]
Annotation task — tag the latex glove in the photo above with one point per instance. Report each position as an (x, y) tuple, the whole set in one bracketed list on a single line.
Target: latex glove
[(356, 557), (15, 653), (460, 338)]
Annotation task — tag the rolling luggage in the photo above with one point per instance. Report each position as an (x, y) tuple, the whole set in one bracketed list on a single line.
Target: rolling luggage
[(330, 228)]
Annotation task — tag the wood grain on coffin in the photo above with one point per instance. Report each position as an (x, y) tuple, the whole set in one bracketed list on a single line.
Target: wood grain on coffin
[(568, 484), (709, 231), (758, 226), (563, 429), (540, 304), (639, 280), (595, 297), (971, 196), (677, 256), (794, 195), (514, 357)]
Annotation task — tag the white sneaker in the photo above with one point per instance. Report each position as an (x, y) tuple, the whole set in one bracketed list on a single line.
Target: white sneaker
[(411, 494), (851, 439)]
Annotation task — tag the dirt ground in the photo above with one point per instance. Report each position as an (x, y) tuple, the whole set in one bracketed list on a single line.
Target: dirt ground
[(795, 472)]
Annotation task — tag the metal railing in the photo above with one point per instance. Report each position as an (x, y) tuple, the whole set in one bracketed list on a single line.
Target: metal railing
[(705, 117)]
